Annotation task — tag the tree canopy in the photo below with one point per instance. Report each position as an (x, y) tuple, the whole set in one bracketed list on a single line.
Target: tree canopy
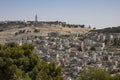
[(20, 63), (97, 74)]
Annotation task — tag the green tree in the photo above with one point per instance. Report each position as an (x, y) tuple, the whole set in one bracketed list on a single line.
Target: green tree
[(94, 74), (116, 77), (20, 63)]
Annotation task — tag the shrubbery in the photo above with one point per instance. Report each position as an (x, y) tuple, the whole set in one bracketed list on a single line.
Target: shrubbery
[(97, 74), (20, 63)]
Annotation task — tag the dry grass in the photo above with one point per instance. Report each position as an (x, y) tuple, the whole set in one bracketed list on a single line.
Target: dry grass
[(44, 30)]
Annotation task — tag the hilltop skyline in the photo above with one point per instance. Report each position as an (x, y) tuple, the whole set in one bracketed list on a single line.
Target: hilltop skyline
[(97, 13)]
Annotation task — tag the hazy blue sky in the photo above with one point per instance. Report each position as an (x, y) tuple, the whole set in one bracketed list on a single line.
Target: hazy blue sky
[(97, 13)]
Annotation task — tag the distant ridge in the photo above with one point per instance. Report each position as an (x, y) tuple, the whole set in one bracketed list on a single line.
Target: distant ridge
[(108, 30)]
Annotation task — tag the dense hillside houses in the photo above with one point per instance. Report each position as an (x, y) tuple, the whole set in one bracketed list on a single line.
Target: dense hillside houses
[(74, 52)]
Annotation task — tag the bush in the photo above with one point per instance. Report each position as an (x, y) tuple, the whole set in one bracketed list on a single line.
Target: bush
[(20, 63), (94, 74)]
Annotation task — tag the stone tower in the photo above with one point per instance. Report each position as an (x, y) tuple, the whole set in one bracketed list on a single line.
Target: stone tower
[(36, 18)]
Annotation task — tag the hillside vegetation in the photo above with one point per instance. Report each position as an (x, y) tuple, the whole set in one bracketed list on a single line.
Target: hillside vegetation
[(108, 30), (97, 74)]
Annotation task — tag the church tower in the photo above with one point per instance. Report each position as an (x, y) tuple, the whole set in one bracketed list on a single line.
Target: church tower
[(36, 18)]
